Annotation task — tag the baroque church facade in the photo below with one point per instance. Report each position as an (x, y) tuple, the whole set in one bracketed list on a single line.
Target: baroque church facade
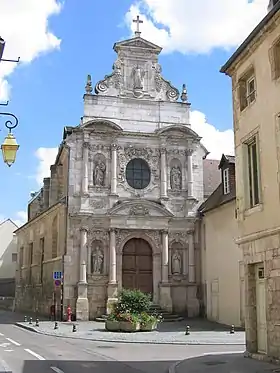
[(120, 208)]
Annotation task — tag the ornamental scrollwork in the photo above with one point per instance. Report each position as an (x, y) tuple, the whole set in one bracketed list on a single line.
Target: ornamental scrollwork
[(178, 237), (139, 210), (99, 235)]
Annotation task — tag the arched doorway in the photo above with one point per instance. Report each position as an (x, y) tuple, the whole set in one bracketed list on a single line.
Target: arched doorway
[(137, 265)]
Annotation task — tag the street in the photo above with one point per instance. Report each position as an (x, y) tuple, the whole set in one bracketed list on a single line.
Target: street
[(23, 351)]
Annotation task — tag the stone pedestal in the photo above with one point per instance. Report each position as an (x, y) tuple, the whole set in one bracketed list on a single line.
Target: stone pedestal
[(82, 307), (192, 302), (165, 300), (112, 297)]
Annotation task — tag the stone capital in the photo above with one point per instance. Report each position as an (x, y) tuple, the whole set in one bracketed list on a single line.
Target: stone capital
[(164, 231), (84, 229), (114, 147), (190, 232), (86, 145), (163, 151)]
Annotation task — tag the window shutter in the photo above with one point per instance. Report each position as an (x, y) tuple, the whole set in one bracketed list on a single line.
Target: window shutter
[(242, 94), (271, 55)]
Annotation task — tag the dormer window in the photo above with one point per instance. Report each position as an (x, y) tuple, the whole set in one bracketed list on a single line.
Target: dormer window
[(226, 181)]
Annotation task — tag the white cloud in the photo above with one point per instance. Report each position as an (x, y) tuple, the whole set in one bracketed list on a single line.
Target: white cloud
[(216, 142), (20, 218), (24, 27), (46, 157), (196, 26)]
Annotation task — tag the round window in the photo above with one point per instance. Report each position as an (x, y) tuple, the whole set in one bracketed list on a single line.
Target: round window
[(138, 174)]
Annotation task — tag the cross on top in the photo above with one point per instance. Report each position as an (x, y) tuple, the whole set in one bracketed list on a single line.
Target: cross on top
[(137, 21)]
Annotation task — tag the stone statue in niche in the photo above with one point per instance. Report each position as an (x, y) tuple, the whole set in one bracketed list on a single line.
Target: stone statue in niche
[(99, 173), (176, 263), (176, 178), (97, 260), (138, 75)]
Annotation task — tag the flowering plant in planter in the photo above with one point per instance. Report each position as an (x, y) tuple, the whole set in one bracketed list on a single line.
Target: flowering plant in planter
[(149, 322)]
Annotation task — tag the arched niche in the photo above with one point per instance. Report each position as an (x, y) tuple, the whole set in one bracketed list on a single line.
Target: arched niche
[(175, 175), (99, 170), (97, 258), (176, 259)]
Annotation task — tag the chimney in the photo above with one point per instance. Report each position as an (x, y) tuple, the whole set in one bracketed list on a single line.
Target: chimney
[(46, 192), (271, 4)]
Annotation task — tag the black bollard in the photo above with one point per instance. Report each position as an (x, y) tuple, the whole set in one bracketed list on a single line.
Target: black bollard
[(30, 321), (187, 330), (232, 329), (56, 325), (74, 328), (25, 318), (37, 322)]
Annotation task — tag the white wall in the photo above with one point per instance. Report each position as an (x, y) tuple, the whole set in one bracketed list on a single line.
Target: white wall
[(8, 246)]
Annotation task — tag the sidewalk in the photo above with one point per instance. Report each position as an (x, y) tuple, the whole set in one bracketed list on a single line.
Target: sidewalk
[(223, 363), (173, 333)]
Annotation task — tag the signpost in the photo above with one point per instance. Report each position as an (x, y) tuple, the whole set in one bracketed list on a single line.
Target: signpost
[(57, 275), (57, 282)]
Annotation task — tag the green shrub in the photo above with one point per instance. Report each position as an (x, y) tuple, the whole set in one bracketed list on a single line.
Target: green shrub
[(133, 301)]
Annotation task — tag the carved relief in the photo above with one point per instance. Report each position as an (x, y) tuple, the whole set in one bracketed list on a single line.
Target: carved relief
[(138, 78), (98, 204), (113, 80), (122, 234), (97, 258), (178, 237), (164, 86), (139, 210)]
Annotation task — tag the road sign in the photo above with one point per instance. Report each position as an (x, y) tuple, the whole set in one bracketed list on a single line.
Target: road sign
[(57, 275), (57, 282)]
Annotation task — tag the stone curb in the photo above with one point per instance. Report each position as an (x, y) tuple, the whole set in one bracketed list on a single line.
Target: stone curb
[(190, 343)]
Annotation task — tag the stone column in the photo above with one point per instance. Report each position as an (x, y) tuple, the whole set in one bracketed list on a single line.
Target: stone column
[(82, 307), (164, 257), (112, 291), (163, 171), (113, 258), (85, 168), (190, 174), (114, 169), (191, 257)]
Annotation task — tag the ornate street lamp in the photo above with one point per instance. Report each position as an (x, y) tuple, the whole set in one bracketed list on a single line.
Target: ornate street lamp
[(10, 146)]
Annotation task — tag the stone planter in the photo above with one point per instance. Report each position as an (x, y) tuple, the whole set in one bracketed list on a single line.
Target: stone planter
[(126, 326), (148, 327), (112, 325)]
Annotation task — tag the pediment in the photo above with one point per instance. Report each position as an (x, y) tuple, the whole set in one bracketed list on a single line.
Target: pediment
[(102, 125), (137, 43), (179, 131), (139, 209)]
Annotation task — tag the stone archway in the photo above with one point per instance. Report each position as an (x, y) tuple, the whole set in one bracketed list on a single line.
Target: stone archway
[(137, 265)]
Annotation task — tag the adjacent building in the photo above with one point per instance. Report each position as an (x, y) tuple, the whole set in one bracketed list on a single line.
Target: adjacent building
[(255, 72), (222, 274), (8, 258)]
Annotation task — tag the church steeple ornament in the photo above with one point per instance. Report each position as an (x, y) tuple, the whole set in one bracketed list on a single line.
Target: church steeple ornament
[(184, 95), (138, 21), (88, 86)]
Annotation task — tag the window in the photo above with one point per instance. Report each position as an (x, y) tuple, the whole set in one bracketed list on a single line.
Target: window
[(226, 181), (21, 254), (54, 237), (253, 173), (247, 89), (30, 254), (42, 251), (251, 90), (274, 55), (138, 174), (14, 257)]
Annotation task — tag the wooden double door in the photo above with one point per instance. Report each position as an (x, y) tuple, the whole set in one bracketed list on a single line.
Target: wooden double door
[(137, 266)]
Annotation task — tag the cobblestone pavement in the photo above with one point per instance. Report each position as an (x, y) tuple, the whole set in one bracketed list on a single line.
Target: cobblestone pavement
[(223, 363), (167, 333)]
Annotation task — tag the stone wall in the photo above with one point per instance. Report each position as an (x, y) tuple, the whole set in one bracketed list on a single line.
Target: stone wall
[(263, 249)]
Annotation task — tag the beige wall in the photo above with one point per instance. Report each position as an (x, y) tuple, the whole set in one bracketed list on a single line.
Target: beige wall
[(222, 270), (36, 293), (261, 116), (8, 246)]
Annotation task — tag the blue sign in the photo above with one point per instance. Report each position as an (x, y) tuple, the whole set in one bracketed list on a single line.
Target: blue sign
[(57, 275)]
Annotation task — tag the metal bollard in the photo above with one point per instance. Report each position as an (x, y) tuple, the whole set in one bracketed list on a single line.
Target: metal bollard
[(232, 329), (37, 322), (187, 330), (25, 318), (56, 325), (30, 321), (74, 328)]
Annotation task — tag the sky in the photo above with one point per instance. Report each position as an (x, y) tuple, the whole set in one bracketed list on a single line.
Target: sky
[(60, 42)]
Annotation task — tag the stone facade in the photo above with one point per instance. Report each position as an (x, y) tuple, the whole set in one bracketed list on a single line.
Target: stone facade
[(254, 69), (130, 177)]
